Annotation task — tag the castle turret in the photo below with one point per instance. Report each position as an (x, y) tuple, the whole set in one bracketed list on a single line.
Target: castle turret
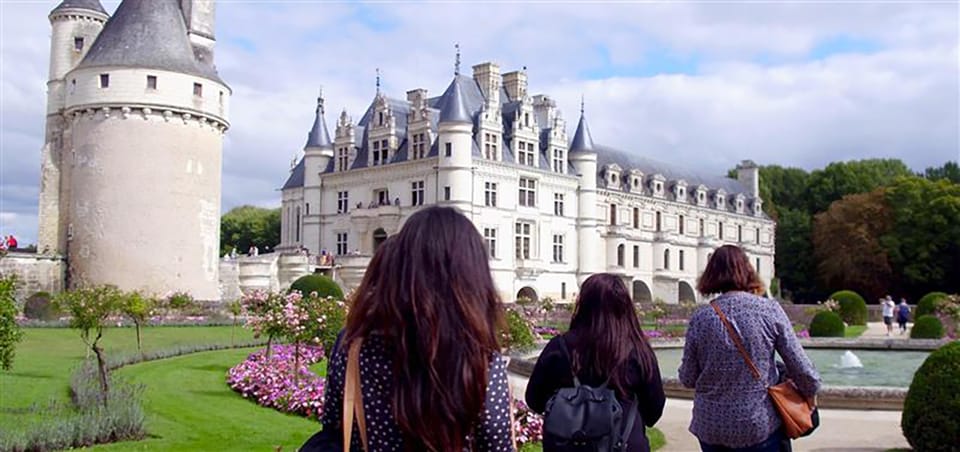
[(455, 141), (74, 24), (146, 119), (583, 157), (316, 156)]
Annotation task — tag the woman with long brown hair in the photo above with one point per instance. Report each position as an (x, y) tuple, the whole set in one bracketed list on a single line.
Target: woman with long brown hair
[(427, 313), (603, 345), (731, 409)]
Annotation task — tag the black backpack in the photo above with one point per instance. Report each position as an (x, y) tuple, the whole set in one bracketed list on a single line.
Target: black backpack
[(586, 418)]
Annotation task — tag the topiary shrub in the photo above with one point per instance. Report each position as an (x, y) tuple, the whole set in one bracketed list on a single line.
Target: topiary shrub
[(928, 304), (322, 285), (519, 335), (853, 310), (927, 327), (40, 307), (929, 420), (826, 324)]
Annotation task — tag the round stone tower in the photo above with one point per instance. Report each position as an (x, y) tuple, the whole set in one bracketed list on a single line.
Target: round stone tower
[(145, 115)]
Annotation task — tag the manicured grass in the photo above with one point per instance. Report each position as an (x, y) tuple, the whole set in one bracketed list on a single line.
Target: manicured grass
[(655, 437), (190, 407), (854, 330), (47, 356)]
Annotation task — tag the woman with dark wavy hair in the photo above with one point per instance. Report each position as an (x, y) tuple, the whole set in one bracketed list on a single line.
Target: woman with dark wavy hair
[(428, 315), (604, 344), (731, 409)]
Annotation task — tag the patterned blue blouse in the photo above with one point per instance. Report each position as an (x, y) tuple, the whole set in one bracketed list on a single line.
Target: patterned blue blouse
[(731, 408)]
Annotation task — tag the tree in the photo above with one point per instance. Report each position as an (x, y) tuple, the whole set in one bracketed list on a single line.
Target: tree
[(924, 240), (949, 171), (139, 308), (246, 226), (10, 333), (847, 247), (795, 264), (839, 179), (90, 307)]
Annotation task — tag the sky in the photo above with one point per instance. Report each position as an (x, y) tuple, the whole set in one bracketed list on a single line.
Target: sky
[(700, 84)]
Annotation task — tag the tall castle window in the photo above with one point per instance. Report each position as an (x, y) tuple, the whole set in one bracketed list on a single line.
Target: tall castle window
[(525, 153), (419, 146), (151, 82), (343, 202), (490, 237), (681, 259), (666, 259), (448, 149), (528, 192), (680, 225), (380, 152), (720, 229), (558, 204), (636, 218), (416, 193), (104, 80), (757, 268), (701, 227), (621, 250), (343, 158), (446, 193), (558, 161), (297, 225), (490, 194), (659, 219), (740, 233), (341, 243), (524, 232), (636, 256), (757, 235), (490, 146), (613, 214), (198, 90), (78, 43), (557, 248)]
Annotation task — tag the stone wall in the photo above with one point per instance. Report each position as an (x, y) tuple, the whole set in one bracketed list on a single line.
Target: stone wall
[(35, 273)]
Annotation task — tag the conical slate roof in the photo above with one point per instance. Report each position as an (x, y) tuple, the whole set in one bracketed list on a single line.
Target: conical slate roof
[(92, 5), (452, 104), (147, 34), (582, 141), (319, 137)]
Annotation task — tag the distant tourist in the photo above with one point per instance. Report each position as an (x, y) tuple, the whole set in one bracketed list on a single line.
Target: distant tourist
[(903, 315), (888, 306), (731, 409), (604, 345), (431, 373), (11, 242)]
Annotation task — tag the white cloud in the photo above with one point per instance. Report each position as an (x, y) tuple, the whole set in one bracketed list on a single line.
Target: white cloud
[(898, 100)]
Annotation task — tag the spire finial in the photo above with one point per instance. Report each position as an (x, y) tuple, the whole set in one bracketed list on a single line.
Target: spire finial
[(378, 81), (320, 100), (581, 104), (456, 67)]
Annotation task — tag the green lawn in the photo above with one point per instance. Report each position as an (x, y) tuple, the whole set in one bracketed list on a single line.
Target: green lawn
[(655, 436), (854, 330), (47, 356)]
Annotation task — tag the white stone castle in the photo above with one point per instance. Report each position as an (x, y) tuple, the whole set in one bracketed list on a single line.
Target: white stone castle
[(553, 211), (130, 191)]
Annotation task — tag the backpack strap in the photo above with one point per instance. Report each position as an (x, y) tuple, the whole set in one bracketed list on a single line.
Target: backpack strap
[(566, 353), (631, 419)]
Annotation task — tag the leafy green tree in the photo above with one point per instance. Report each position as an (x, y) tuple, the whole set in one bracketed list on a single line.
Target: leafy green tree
[(246, 226), (795, 264), (847, 248), (138, 307), (839, 179), (924, 241), (949, 171), (10, 332), (89, 309)]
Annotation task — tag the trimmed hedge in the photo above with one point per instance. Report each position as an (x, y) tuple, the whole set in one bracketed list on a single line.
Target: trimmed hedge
[(927, 327), (928, 304), (853, 310), (322, 285), (930, 421), (826, 324)]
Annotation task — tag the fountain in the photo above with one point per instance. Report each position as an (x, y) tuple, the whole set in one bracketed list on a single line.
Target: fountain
[(850, 361)]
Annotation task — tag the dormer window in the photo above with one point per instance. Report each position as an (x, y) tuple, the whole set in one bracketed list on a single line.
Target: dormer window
[(757, 207), (636, 181), (739, 203), (681, 192), (613, 179)]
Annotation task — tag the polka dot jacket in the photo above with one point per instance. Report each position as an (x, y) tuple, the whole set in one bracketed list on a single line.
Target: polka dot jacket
[(376, 380)]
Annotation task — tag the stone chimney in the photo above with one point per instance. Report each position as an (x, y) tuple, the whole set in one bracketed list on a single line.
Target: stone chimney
[(748, 174), (516, 84), (198, 16), (487, 76)]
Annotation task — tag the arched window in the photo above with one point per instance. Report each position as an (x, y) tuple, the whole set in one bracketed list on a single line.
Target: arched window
[(658, 221), (613, 214), (666, 259), (620, 256)]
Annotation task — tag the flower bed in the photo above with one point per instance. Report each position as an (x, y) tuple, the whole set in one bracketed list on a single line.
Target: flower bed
[(271, 383), (278, 383)]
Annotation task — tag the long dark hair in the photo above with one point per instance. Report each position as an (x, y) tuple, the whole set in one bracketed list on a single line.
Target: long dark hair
[(608, 332), (428, 290), (727, 270)]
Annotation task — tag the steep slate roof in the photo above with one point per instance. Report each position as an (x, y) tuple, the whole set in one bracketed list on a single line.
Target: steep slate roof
[(452, 104), (582, 140), (296, 176), (147, 34), (93, 5), (319, 137)]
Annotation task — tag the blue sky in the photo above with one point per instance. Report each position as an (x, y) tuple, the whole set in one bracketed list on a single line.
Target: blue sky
[(700, 84)]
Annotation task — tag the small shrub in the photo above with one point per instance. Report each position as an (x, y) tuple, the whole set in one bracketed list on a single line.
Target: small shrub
[(179, 301), (929, 420), (519, 335), (928, 304), (322, 285), (40, 307), (10, 332), (927, 327), (853, 310), (826, 324)]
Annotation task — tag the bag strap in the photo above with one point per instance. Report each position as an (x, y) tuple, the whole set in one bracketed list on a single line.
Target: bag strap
[(569, 356), (631, 419), (736, 340), (353, 398)]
